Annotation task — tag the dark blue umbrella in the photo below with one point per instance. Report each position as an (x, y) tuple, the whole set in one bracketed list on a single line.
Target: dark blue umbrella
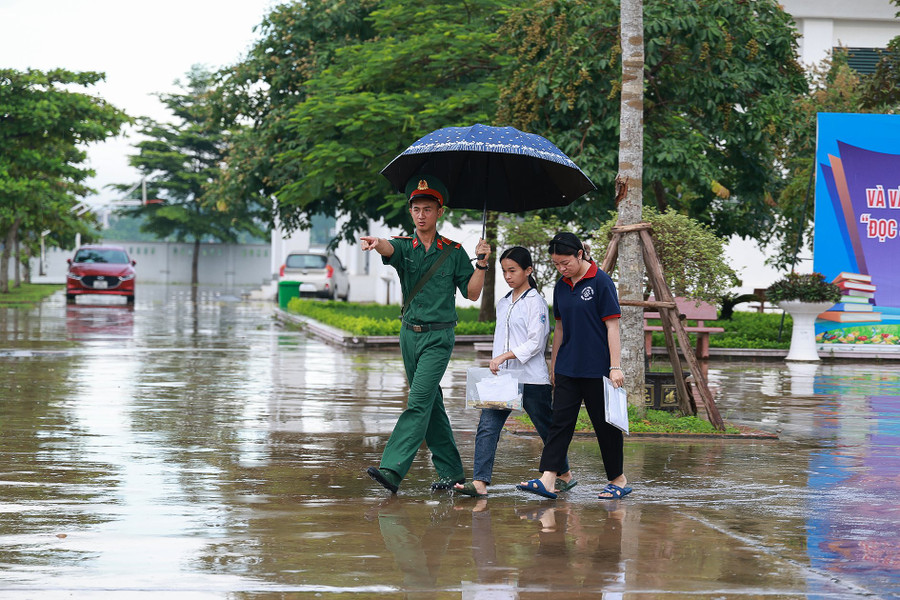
[(492, 168)]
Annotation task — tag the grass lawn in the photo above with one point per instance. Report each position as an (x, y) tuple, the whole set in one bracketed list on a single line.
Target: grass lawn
[(28, 293), (654, 421)]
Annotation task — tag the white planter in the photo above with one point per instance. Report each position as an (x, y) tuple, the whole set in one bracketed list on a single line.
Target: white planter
[(803, 336)]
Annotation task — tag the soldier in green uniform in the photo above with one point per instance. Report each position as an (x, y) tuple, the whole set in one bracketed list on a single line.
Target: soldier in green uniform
[(426, 334)]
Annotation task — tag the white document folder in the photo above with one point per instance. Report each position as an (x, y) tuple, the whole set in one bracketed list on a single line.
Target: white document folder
[(616, 404)]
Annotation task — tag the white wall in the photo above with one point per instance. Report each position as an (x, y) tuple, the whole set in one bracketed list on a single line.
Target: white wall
[(824, 24)]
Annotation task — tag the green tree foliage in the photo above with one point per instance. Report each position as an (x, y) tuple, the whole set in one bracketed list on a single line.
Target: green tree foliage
[(297, 42), (366, 86), (882, 89), (181, 162), (833, 87), (692, 255), (45, 121), (719, 77)]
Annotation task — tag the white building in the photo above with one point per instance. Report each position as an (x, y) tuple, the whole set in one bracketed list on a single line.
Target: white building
[(828, 24)]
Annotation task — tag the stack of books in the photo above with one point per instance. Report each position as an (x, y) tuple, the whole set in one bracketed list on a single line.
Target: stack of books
[(855, 305)]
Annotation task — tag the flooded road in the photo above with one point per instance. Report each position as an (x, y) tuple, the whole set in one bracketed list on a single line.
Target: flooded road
[(201, 450)]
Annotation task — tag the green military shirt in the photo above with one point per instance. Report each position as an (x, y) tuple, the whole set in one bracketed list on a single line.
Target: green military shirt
[(436, 302)]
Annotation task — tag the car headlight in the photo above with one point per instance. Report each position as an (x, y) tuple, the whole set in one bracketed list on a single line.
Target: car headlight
[(126, 277), (73, 276)]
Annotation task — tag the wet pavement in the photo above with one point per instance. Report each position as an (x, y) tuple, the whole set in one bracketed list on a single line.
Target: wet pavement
[(183, 449)]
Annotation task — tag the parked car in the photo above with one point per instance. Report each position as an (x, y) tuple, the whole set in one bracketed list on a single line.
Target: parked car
[(99, 269), (319, 274)]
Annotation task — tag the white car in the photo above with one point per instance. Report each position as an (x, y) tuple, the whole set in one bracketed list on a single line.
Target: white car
[(319, 274)]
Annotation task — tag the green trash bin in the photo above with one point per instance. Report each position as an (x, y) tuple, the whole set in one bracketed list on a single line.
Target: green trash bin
[(286, 291)]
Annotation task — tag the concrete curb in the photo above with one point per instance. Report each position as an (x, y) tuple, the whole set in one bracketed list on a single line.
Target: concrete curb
[(747, 435)]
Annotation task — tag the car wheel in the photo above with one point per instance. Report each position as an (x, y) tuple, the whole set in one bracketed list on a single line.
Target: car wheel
[(129, 299), (346, 297), (70, 298)]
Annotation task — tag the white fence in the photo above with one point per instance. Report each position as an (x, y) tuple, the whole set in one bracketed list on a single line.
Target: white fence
[(229, 265)]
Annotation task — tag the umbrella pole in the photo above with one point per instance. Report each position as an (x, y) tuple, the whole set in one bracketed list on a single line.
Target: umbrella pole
[(483, 226)]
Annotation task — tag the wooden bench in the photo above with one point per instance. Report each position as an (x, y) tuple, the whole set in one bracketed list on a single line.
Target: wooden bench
[(760, 294), (690, 310)]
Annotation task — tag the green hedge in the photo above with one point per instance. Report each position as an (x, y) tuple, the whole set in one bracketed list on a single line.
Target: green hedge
[(744, 330), (377, 319)]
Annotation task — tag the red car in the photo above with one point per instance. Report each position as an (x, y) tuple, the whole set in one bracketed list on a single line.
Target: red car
[(100, 270)]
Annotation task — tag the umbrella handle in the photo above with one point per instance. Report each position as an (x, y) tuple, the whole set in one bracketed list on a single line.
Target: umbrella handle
[(483, 227)]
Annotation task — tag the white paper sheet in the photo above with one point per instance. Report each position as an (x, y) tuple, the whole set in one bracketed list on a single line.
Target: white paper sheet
[(502, 388), (616, 405)]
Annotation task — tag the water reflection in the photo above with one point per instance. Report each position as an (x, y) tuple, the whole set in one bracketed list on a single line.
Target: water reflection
[(854, 514), (198, 449), (99, 322)]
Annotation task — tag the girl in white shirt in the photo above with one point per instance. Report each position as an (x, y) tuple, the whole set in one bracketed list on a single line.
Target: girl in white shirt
[(520, 342)]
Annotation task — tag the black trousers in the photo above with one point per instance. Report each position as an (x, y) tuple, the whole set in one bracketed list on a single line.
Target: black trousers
[(568, 394)]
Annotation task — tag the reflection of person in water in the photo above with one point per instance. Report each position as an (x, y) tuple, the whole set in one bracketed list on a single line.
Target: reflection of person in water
[(564, 561), (418, 557), (493, 579)]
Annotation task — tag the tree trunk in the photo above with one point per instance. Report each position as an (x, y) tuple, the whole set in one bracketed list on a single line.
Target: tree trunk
[(26, 265), (629, 181), (195, 262), (17, 261), (4, 256), (488, 310)]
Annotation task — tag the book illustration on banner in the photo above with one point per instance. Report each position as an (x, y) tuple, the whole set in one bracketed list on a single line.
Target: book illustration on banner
[(855, 286), (859, 277), (862, 298), (855, 306), (852, 307)]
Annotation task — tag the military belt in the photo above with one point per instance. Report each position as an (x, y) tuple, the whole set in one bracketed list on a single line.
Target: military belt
[(429, 326)]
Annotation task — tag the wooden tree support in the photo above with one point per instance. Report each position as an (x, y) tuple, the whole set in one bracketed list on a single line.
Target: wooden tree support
[(673, 328)]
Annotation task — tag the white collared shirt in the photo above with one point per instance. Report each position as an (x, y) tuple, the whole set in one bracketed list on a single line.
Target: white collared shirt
[(523, 327)]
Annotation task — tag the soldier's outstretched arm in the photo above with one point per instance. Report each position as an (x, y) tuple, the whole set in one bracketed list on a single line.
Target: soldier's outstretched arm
[(379, 245)]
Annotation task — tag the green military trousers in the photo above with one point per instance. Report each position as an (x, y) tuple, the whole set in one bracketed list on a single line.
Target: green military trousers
[(425, 356)]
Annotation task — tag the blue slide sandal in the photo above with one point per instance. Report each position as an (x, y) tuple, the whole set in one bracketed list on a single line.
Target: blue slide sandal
[(615, 492), (535, 486)]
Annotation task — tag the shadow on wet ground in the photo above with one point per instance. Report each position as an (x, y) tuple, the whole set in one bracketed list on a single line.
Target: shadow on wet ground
[(180, 449)]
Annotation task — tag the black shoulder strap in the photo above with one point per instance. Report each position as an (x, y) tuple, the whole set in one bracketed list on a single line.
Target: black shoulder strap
[(424, 279)]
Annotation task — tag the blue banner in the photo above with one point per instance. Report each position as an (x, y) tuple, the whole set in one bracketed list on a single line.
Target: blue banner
[(857, 238)]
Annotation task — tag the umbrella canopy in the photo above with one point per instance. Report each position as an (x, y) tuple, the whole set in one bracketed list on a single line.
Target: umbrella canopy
[(492, 168)]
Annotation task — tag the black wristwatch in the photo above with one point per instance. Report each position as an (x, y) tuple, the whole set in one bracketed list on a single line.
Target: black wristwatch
[(480, 268)]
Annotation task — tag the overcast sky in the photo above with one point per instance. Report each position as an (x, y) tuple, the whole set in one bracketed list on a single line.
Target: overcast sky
[(143, 47)]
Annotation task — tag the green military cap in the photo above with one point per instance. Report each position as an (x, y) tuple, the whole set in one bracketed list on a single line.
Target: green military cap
[(426, 186)]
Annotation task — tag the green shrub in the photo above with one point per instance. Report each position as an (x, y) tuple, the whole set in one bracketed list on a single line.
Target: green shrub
[(743, 330), (376, 319), (810, 287), (692, 255)]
